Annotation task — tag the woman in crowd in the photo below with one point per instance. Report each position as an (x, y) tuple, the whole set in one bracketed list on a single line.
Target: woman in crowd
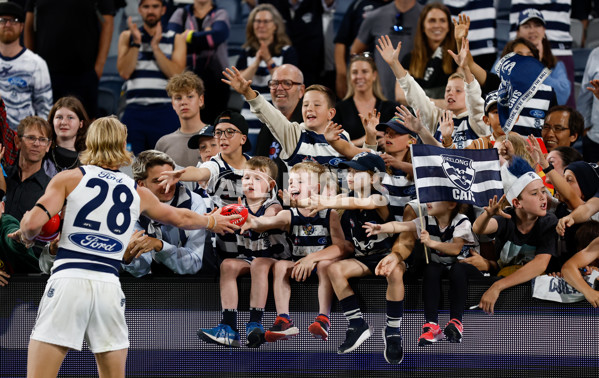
[(363, 95), (206, 29), (428, 62), (267, 46), (70, 122)]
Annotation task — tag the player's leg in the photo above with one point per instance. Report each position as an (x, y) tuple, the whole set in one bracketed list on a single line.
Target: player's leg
[(43, 359), (111, 364)]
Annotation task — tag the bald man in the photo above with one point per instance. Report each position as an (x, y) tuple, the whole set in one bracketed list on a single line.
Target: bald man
[(286, 89)]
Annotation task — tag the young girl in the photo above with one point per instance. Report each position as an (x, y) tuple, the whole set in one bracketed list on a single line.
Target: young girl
[(447, 233), (364, 203), (317, 241), (70, 123), (257, 254)]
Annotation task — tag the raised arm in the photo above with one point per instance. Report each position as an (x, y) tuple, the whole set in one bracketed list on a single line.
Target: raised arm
[(176, 63), (332, 134), (127, 54), (391, 56), (485, 224)]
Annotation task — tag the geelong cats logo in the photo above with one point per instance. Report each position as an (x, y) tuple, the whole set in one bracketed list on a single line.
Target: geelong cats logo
[(459, 170)]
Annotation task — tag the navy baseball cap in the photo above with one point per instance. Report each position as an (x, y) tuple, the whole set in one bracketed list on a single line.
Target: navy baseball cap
[(365, 161), (529, 14), (206, 132), (396, 126)]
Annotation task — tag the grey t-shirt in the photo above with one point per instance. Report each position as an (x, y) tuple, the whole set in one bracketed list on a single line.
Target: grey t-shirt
[(175, 146)]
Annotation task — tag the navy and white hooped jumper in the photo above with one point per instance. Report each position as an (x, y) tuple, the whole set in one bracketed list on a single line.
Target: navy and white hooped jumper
[(309, 234)]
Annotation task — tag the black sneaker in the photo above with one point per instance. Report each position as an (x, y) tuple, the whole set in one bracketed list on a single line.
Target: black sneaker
[(393, 348), (354, 337)]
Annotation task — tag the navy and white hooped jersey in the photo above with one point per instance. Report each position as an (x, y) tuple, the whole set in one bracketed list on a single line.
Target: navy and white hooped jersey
[(147, 83), (98, 222), (224, 187), (309, 234), (482, 15), (400, 191), (352, 222), (314, 147), (272, 243), (460, 227), (463, 135)]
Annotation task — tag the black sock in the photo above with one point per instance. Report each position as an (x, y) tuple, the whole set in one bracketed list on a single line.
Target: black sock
[(230, 318), (256, 314)]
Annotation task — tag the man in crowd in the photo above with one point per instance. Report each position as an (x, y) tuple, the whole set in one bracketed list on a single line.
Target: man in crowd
[(24, 78), (147, 58), (563, 125), (166, 249), (26, 180)]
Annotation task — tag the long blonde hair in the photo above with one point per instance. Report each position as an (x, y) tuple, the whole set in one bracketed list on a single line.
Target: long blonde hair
[(376, 86), (280, 39), (106, 144)]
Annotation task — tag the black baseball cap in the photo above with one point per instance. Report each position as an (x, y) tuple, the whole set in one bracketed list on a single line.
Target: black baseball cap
[(12, 9), (206, 132), (365, 161), (237, 120)]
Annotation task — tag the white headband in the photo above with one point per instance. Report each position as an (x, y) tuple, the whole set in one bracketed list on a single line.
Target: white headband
[(519, 185)]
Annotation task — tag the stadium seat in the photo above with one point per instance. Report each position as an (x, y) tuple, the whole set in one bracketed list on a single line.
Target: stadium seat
[(502, 34), (580, 57), (576, 31), (233, 8), (592, 34)]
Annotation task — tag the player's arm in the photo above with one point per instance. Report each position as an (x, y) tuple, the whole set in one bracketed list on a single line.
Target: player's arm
[(571, 272), (280, 221), (52, 200), (183, 218)]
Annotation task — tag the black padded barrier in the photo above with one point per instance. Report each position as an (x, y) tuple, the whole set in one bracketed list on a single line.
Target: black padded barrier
[(526, 337)]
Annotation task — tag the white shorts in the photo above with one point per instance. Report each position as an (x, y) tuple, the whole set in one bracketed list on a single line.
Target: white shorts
[(74, 308)]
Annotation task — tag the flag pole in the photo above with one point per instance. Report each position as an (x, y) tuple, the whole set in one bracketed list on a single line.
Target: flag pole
[(419, 208)]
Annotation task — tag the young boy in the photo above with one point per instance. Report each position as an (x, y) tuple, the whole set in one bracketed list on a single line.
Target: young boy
[(524, 234), (365, 204), (186, 91), (257, 254), (317, 241), (222, 173), (299, 142), (205, 143)]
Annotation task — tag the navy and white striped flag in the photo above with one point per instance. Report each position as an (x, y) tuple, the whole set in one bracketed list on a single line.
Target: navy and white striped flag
[(467, 176)]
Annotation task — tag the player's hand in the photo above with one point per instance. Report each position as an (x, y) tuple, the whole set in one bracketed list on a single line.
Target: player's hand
[(223, 222), (302, 269), (18, 236)]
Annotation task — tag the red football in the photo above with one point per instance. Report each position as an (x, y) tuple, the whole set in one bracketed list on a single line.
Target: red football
[(233, 209), (50, 229)]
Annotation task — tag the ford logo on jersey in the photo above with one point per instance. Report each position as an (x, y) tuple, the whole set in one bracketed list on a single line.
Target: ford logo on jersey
[(96, 242)]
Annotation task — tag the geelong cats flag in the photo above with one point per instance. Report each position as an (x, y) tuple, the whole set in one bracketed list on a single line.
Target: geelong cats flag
[(467, 176)]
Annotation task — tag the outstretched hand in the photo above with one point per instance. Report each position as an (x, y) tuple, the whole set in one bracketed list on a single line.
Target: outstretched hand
[(332, 132), (385, 47), (534, 149), (242, 86), (369, 122), (223, 222), (446, 126), (461, 58), (564, 223), (594, 87), (494, 207), (406, 118), (461, 25), (170, 178)]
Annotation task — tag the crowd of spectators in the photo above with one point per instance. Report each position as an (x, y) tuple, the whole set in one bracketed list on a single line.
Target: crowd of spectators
[(193, 151)]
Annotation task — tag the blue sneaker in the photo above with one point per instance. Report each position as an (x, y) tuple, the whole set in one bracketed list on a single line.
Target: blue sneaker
[(255, 334), (222, 334)]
